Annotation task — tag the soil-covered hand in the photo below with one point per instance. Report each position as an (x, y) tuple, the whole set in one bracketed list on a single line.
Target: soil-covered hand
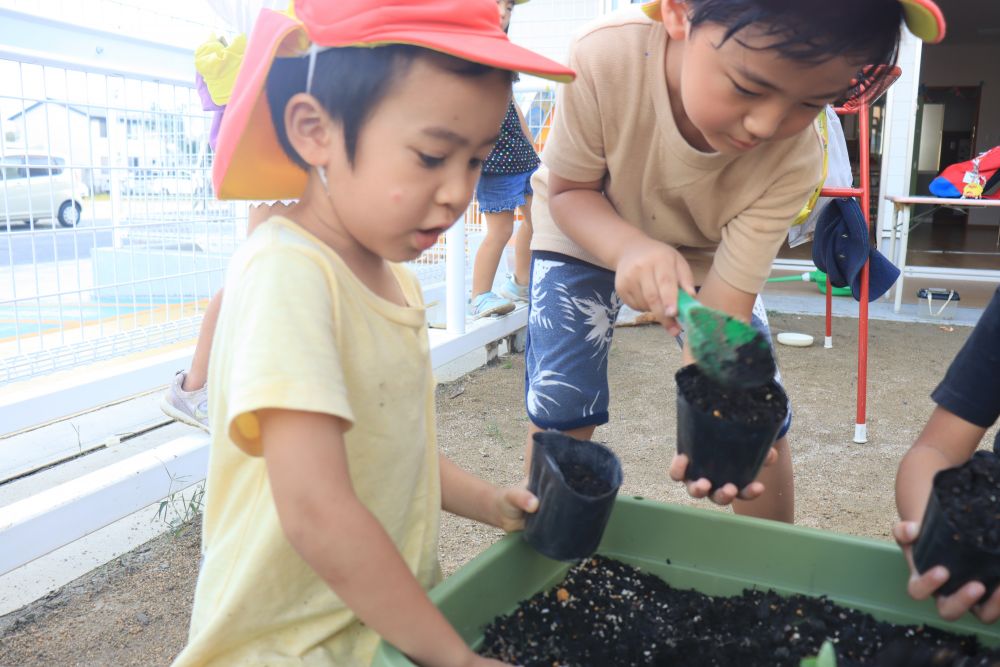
[(512, 503), (725, 495), (922, 586), (648, 276)]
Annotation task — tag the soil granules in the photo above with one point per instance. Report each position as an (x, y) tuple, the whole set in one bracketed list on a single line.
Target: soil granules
[(759, 405), (970, 498), (584, 481), (753, 365), (608, 614)]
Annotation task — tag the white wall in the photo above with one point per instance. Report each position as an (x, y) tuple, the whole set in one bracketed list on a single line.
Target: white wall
[(900, 124)]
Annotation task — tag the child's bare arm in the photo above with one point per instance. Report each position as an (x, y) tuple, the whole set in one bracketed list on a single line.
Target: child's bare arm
[(648, 273), (466, 495), (343, 542), (946, 441)]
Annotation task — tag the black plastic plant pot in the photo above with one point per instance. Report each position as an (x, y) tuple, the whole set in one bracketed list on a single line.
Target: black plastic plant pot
[(576, 482), (726, 433), (941, 542)]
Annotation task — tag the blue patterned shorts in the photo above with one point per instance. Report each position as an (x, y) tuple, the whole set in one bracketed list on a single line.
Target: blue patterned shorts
[(571, 317)]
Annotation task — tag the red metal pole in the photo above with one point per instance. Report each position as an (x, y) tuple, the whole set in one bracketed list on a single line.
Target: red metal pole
[(861, 426), (828, 343)]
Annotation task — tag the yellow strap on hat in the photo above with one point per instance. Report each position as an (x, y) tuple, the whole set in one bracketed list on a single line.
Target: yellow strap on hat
[(824, 135)]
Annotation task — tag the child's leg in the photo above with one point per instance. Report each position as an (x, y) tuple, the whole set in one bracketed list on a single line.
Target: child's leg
[(778, 500), (198, 374), (522, 246), (571, 317), (499, 227)]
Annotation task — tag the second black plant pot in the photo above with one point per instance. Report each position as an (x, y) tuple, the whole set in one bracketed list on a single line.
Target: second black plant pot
[(725, 433), (942, 543), (576, 482)]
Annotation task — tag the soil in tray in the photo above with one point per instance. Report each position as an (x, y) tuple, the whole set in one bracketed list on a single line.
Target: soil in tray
[(970, 498), (608, 614), (583, 480), (757, 405)]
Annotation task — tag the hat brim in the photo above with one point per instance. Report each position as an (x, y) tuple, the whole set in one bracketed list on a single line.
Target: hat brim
[(492, 51), (249, 162), (923, 18), (882, 275)]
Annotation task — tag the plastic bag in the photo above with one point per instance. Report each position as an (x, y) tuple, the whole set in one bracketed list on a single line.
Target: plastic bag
[(838, 175)]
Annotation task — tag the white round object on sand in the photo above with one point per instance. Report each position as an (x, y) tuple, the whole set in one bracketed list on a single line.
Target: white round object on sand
[(795, 339)]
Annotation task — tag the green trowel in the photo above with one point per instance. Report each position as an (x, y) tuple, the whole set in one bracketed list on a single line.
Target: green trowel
[(728, 350)]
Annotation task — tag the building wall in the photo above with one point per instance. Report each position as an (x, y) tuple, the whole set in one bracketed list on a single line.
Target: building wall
[(901, 110)]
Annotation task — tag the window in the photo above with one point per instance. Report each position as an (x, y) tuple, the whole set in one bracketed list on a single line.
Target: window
[(44, 166), (99, 126), (11, 170)]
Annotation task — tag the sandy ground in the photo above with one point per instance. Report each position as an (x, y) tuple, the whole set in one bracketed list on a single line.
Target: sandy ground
[(134, 611)]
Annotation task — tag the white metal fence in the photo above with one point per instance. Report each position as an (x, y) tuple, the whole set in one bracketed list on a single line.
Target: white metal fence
[(110, 239)]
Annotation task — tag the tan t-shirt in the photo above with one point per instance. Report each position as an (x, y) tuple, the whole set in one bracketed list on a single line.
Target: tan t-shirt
[(614, 122)]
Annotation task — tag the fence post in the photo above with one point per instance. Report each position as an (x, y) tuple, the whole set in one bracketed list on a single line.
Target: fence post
[(455, 277)]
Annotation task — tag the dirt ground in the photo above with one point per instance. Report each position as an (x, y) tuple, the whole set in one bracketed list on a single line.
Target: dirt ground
[(134, 610)]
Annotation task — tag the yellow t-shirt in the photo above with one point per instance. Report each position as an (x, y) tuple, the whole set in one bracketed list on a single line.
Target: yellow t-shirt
[(614, 122), (299, 331)]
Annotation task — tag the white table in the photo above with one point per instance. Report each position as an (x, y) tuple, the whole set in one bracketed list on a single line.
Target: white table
[(901, 227)]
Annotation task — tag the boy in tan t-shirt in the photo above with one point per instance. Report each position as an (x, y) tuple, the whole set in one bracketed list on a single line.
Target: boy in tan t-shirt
[(681, 155)]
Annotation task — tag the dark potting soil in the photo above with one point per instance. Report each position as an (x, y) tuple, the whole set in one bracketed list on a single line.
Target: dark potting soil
[(970, 498), (583, 480), (758, 405), (752, 366), (608, 614)]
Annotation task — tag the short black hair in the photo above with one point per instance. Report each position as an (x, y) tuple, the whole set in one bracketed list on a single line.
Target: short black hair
[(810, 30), (350, 82)]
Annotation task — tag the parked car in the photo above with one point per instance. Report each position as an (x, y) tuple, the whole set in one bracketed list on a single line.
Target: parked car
[(36, 187), (159, 182)]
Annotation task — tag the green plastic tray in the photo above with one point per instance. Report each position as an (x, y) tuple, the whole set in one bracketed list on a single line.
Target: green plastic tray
[(714, 552)]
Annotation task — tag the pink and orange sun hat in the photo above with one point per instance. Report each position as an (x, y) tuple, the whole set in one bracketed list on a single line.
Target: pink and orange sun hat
[(249, 161), (922, 17)]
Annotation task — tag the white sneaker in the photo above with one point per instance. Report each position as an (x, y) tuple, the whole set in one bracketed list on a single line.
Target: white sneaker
[(490, 304), (189, 407), (512, 290)]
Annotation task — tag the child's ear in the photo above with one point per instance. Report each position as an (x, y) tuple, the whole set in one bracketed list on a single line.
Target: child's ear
[(674, 14), (311, 131)]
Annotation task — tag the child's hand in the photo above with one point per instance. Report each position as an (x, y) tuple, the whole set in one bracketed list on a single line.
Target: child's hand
[(511, 505), (647, 278), (700, 488), (259, 213), (922, 586)]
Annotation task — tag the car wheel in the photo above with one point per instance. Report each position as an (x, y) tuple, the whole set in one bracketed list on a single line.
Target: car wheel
[(69, 214)]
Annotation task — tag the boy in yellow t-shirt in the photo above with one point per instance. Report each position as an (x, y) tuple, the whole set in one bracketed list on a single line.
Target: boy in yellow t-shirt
[(680, 157), (325, 483)]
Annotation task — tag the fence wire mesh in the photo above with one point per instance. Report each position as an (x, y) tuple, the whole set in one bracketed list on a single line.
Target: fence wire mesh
[(111, 241)]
